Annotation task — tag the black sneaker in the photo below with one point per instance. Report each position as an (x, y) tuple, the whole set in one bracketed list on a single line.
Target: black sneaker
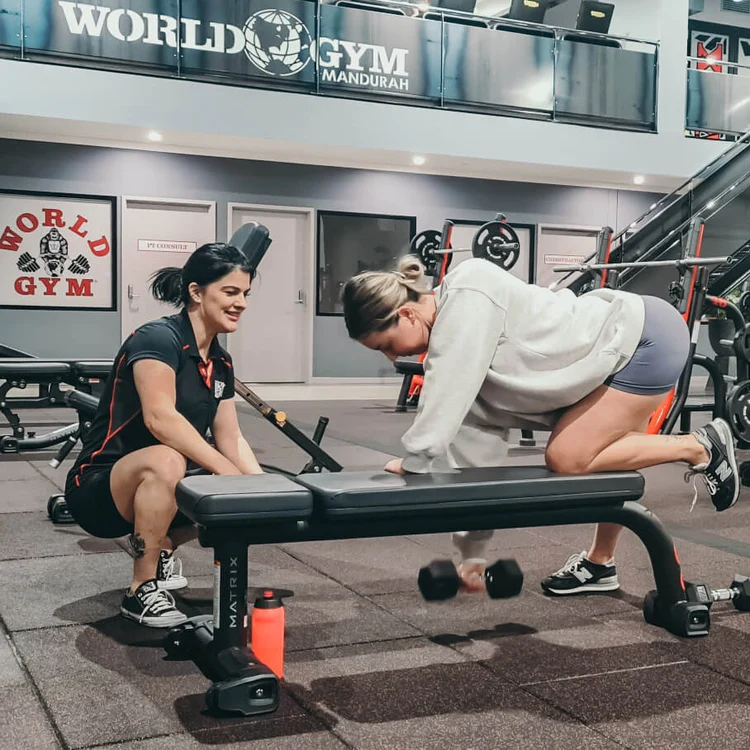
[(720, 474), (169, 572), (579, 574), (151, 606)]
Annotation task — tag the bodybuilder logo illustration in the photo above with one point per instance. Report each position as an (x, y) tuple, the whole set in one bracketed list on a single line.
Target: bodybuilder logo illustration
[(53, 253)]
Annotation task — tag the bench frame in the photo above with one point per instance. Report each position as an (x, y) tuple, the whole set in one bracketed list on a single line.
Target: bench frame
[(230, 544)]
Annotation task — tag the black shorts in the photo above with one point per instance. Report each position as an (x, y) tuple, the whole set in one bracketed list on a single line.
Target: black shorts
[(92, 506)]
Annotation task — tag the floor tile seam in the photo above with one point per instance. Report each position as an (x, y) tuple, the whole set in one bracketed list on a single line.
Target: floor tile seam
[(349, 644), (356, 593), (11, 480), (42, 628), (36, 468), (62, 557), (484, 664), (704, 665), (31, 684), (623, 670), (321, 572), (328, 719)]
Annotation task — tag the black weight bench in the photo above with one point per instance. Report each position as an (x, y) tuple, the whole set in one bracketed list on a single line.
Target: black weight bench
[(408, 368), (48, 374), (235, 512)]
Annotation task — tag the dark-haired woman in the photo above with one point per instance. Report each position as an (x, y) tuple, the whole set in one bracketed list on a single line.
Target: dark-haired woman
[(171, 382)]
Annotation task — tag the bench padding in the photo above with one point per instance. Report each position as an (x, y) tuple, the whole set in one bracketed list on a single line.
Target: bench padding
[(43, 370), (357, 494), (214, 501), (92, 368), (245, 500), (32, 369)]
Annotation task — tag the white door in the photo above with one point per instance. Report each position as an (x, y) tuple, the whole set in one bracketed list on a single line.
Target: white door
[(559, 246), (157, 233), (272, 343)]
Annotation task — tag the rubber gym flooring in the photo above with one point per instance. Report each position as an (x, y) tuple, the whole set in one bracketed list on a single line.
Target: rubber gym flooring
[(369, 664)]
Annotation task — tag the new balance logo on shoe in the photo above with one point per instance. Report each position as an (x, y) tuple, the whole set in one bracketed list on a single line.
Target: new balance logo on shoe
[(724, 471), (583, 574)]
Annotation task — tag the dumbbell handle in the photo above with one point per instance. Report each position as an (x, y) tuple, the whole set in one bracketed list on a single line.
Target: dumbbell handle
[(724, 595)]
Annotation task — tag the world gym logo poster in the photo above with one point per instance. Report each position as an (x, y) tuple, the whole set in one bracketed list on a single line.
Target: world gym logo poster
[(57, 252)]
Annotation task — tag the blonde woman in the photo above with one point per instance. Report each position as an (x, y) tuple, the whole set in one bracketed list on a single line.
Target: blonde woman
[(502, 354)]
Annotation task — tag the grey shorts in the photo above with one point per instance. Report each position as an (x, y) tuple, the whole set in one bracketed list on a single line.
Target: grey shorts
[(661, 356)]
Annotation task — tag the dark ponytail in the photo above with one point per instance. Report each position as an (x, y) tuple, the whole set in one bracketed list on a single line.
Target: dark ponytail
[(207, 264), (166, 286)]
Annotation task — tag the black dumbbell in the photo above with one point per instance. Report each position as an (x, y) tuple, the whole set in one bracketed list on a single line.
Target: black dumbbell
[(57, 510), (683, 618), (440, 580), (738, 593)]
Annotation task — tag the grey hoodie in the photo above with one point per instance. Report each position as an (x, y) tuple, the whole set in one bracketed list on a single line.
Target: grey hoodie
[(505, 354)]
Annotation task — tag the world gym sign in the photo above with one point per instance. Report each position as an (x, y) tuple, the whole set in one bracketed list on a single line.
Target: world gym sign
[(56, 252), (243, 38)]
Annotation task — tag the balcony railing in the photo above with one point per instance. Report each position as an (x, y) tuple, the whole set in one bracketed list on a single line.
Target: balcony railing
[(393, 51)]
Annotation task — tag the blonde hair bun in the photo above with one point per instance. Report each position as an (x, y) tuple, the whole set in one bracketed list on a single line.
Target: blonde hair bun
[(411, 267)]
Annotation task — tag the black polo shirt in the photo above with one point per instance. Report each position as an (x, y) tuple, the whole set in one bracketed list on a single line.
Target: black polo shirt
[(118, 428)]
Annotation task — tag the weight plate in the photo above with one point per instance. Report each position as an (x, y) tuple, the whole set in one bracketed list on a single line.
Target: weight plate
[(744, 304), (738, 410), (497, 242), (742, 343), (425, 244)]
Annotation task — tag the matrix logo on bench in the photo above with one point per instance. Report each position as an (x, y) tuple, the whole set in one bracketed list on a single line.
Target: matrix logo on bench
[(52, 251), (273, 40)]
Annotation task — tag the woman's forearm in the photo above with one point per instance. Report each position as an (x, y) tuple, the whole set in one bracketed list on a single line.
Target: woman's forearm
[(239, 452), (173, 430)]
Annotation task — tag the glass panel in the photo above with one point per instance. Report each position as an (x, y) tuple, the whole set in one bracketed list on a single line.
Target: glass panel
[(271, 42), (501, 68), (351, 243), (10, 23), (718, 101), (136, 31), (378, 53), (601, 82)]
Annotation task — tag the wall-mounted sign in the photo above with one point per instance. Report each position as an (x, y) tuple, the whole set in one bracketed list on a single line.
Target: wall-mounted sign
[(563, 260), (57, 252), (167, 246)]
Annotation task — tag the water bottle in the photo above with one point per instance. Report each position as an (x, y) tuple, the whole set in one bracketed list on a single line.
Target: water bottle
[(267, 631)]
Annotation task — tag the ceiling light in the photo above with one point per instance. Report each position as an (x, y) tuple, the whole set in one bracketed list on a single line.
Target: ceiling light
[(418, 160), (710, 204), (639, 179), (154, 136)]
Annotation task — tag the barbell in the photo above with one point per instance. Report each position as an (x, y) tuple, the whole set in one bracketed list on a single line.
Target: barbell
[(680, 263), (495, 241)]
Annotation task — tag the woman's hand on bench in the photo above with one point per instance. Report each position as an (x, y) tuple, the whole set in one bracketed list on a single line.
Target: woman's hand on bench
[(394, 466)]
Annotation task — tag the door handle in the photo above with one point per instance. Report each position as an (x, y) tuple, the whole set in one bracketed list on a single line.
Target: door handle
[(300, 297), (131, 292)]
